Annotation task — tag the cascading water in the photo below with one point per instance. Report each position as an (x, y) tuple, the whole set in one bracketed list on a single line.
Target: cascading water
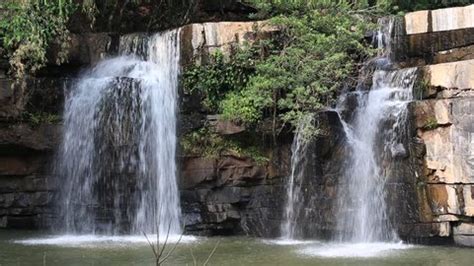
[(294, 200), (118, 153), (374, 136), (374, 140)]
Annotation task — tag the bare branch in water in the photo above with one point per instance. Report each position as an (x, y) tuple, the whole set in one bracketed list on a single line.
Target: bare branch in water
[(212, 253)]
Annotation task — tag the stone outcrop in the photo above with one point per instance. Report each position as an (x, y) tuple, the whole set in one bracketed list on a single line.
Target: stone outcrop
[(444, 120), (198, 41), (439, 31), (446, 19), (230, 195), (26, 187)]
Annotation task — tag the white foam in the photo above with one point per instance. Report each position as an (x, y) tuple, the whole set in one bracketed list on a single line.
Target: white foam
[(288, 242), (354, 250), (97, 240)]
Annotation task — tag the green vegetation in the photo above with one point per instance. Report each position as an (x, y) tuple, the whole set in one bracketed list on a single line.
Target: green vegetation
[(210, 144), (271, 7), (421, 88), (413, 5), (431, 123), (27, 28), (294, 74), (219, 76), (38, 118)]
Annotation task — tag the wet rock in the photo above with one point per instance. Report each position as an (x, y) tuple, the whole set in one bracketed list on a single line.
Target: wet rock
[(198, 170), (85, 49), (34, 96), (426, 44), (230, 195), (464, 234), (454, 55), (398, 151), (17, 137)]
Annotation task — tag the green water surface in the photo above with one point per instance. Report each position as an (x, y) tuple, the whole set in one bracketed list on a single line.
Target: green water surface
[(231, 251)]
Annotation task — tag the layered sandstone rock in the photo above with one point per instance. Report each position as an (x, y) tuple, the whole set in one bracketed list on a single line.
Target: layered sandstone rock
[(446, 19), (232, 195), (198, 41), (445, 123), (429, 32)]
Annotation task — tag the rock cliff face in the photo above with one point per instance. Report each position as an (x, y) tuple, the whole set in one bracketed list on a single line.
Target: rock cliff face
[(444, 121), (226, 195), (431, 193)]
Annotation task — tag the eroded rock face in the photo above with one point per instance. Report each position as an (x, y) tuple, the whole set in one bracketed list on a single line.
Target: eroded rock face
[(452, 76), (34, 96), (26, 187), (446, 19), (201, 40), (230, 195), (445, 124), (222, 195), (429, 32)]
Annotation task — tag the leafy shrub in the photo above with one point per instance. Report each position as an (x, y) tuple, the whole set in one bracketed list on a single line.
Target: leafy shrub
[(218, 77), (294, 74), (27, 28), (206, 142)]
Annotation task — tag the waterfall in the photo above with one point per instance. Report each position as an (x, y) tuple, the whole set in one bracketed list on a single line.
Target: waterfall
[(294, 197), (375, 137), (117, 159)]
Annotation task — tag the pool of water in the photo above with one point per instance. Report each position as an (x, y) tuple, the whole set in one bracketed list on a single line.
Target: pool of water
[(32, 248)]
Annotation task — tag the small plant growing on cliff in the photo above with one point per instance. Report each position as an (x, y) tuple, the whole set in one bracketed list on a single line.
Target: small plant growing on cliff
[(431, 123), (29, 27), (210, 144), (421, 88), (39, 118)]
